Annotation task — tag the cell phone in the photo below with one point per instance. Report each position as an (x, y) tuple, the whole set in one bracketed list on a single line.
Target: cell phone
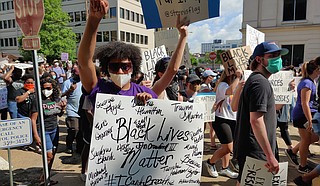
[(306, 125)]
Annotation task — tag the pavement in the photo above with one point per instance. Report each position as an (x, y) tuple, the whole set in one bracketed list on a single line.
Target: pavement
[(27, 165)]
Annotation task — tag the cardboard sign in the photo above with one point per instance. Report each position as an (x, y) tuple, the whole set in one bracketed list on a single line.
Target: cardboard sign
[(163, 13), (255, 173), (208, 100), (236, 58), (159, 143), (253, 37), (149, 60), (15, 133), (280, 84)]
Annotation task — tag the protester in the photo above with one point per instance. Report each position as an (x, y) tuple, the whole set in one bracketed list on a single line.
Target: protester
[(53, 107), (60, 73), (306, 106), (71, 89), (25, 97), (192, 88), (256, 117), (3, 87), (224, 125)]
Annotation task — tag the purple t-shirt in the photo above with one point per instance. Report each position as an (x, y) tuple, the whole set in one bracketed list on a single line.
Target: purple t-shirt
[(297, 112), (108, 87)]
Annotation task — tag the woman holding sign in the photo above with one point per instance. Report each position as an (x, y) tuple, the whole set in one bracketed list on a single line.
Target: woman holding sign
[(225, 123), (119, 60)]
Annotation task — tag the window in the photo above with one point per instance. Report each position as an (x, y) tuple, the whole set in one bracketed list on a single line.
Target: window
[(6, 42), (5, 24), (11, 41), (114, 36), (83, 16), (77, 17), (1, 43), (4, 7), (0, 24), (294, 10), (122, 13), (127, 14), (295, 55), (132, 16), (15, 41), (113, 12), (141, 19), (137, 18), (9, 24), (137, 38), (9, 5), (146, 40), (13, 23), (71, 15), (127, 37), (99, 36), (122, 36), (106, 36), (132, 38), (141, 39)]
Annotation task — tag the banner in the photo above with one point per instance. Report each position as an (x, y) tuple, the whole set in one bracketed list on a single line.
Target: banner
[(253, 37), (163, 13), (236, 58), (255, 173), (208, 100), (149, 60), (159, 143), (280, 84)]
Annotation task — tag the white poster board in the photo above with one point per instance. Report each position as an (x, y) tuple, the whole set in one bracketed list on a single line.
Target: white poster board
[(253, 37), (149, 60), (255, 173), (280, 84), (163, 13), (64, 56), (159, 143), (15, 133), (208, 100)]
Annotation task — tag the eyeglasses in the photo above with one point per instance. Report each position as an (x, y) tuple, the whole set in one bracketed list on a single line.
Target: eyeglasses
[(114, 67)]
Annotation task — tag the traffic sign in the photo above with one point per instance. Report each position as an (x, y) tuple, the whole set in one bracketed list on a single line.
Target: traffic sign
[(31, 43), (212, 56), (29, 15)]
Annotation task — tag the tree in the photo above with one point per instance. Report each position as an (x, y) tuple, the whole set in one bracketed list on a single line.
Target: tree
[(194, 61), (55, 35)]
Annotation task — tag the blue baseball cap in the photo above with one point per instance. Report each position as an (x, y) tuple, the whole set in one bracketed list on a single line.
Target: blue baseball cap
[(268, 47)]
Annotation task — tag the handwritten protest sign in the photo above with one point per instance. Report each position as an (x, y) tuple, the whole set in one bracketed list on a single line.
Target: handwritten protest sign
[(159, 143), (208, 100), (64, 56), (236, 58), (280, 84), (255, 173), (15, 133), (149, 60), (253, 37), (163, 13), (3, 94)]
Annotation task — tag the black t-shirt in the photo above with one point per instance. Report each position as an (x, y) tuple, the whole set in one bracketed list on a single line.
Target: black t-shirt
[(257, 96), (24, 108), (51, 109), (12, 88)]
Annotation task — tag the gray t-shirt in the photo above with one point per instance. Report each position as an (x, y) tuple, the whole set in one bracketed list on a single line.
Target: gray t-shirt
[(257, 96)]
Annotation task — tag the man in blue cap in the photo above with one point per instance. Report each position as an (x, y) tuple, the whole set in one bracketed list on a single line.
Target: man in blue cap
[(256, 117)]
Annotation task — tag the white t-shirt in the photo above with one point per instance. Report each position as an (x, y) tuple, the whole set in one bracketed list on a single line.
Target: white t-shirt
[(206, 87), (225, 110)]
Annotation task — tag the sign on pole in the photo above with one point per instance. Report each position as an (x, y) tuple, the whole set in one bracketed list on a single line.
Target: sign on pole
[(160, 143), (163, 13), (31, 43), (212, 56)]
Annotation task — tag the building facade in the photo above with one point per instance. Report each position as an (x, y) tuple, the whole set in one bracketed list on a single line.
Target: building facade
[(124, 22), (292, 24), (219, 45)]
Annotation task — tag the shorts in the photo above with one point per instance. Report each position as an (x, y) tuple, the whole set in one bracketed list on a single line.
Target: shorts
[(72, 122), (52, 139), (224, 129), (316, 123), (299, 123)]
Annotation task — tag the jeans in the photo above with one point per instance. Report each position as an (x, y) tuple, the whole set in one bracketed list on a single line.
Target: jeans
[(13, 109)]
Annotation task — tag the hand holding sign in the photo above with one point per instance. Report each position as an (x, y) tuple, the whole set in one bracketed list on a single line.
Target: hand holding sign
[(272, 165)]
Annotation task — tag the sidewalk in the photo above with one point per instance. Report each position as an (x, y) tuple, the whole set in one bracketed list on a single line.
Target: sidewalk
[(27, 165)]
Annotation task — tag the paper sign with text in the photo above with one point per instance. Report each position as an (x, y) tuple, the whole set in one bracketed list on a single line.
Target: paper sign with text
[(280, 84), (3, 95), (149, 61), (253, 37), (255, 173), (15, 133), (159, 143), (236, 58), (208, 100), (163, 13)]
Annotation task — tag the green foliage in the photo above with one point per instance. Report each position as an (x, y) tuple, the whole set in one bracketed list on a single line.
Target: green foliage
[(55, 35), (194, 61)]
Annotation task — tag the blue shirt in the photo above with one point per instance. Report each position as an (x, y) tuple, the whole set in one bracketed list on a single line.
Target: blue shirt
[(73, 99)]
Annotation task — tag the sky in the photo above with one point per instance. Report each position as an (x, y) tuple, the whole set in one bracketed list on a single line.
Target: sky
[(225, 27)]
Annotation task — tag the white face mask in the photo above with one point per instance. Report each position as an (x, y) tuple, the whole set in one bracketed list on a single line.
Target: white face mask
[(47, 93), (120, 79)]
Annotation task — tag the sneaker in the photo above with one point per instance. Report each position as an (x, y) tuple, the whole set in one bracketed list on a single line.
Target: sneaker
[(299, 182), (212, 169), (305, 169), (293, 158), (234, 164), (227, 172), (83, 177)]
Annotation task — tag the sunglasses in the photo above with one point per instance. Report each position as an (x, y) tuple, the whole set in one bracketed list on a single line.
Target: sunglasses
[(114, 67)]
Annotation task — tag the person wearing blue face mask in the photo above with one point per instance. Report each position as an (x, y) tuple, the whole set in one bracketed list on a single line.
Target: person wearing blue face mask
[(255, 132)]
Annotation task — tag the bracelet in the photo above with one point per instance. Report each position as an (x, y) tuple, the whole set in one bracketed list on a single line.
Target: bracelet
[(28, 92)]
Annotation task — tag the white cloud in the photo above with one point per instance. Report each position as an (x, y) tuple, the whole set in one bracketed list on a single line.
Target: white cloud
[(224, 27)]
